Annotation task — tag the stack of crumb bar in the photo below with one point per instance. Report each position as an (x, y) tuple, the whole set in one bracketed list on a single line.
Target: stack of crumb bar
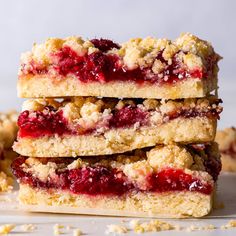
[(115, 129)]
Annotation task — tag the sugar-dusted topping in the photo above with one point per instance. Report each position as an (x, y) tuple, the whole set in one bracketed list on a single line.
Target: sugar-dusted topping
[(116, 229), (226, 139)]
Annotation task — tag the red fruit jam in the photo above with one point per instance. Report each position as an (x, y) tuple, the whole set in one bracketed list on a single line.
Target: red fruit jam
[(49, 122), (40, 123), (102, 67), (104, 45), (128, 116), (176, 180), (101, 180)]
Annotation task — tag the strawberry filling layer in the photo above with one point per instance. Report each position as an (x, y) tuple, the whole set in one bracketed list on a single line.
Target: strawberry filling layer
[(101, 180), (102, 67), (51, 122)]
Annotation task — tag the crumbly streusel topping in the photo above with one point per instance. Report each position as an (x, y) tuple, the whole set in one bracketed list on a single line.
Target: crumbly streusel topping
[(190, 50), (136, 165)]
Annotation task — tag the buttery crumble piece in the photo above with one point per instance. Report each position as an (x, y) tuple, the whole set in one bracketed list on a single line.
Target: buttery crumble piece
[(57, 229), (118, 229), (7, 228), (230, 224), (28, 227), (151, 226), (77, 232), (196, 227)]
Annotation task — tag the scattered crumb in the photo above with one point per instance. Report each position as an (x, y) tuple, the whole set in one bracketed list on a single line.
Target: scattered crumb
[(230, 224), (6, 229), (195, 227), (209, 227), (69, 227), (57, 229), (28, 227), (177, 227), (118, 229), (77, 232), (151, 226), (134, 223)]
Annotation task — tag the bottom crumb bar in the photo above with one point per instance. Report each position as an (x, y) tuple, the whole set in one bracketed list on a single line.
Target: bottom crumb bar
[(227, 144), (166, 181)]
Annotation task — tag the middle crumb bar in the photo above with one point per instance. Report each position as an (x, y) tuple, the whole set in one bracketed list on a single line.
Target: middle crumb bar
[(92, 126)]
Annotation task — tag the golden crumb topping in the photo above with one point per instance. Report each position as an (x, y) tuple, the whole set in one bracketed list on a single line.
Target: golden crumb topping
[(137, 52)]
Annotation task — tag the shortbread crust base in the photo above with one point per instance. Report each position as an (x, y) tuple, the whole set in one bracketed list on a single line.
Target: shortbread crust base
[(167, 205), (42, 86), (180, 130)]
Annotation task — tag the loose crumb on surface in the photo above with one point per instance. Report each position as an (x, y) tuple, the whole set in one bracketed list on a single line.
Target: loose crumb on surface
[(151, 226), (77, 232), (28, 227), (230, 224), (7, 228), (57, 229), (196, 227), (118, 229)]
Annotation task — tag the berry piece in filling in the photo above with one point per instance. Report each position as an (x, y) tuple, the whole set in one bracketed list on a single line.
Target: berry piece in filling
[(40, 123)]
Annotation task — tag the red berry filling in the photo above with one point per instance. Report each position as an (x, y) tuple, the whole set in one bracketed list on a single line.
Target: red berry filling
[(176, 180), (101, 180), (102, 67), (104, 45), (40, 123), (49, 122), (127, 117)]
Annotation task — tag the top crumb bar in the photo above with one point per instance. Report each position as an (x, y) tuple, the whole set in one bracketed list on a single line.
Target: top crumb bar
[(140, 68)]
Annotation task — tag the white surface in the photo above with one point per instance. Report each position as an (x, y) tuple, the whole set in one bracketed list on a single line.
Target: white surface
[(91, 225)]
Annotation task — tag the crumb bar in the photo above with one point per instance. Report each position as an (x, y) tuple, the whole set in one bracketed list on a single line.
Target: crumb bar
[(169, 181), (93, 126), (140, 68)]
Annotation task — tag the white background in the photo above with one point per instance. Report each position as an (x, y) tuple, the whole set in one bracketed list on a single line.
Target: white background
[(23, 22)]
